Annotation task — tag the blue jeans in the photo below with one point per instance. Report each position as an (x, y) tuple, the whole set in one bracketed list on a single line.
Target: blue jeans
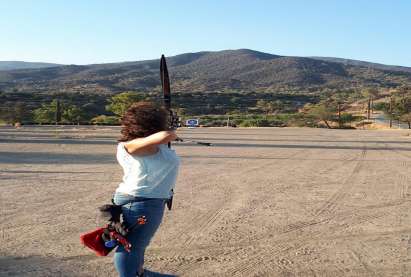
[(129, 263)]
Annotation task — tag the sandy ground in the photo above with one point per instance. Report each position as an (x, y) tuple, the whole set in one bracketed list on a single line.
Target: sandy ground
[(260, 202)]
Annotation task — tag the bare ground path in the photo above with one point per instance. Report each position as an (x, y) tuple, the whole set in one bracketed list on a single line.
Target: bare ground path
[(260, 202)]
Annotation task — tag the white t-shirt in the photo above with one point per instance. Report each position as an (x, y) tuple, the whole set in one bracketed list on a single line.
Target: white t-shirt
[(152, 176)]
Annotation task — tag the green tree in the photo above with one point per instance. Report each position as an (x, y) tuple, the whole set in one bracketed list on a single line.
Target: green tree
[(235, 101), (105, 120), (269, 107), (404, 104), (338, 99), (370, 93), (73, 114), (399, 106), (15, 112), (119, 103), (91, 110), (322, 112), (263, 105), (276, 106), (406, 118), (46, 113), (345, 118)]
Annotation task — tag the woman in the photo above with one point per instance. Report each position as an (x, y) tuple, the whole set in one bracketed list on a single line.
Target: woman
[(150, 170)]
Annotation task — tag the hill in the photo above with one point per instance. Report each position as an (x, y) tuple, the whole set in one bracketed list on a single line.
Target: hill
[(364, 64), (228, 70), (13, 65)]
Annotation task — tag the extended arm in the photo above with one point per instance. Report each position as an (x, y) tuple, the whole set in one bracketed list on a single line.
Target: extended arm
[(144, 145)]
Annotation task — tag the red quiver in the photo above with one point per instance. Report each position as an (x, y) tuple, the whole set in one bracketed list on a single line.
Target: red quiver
[(94, 241)]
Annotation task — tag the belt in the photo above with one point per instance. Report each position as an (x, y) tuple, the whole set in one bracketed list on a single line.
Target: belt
[(167, 201)]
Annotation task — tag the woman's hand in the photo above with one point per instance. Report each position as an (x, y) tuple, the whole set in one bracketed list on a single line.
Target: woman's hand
[(147, 144)]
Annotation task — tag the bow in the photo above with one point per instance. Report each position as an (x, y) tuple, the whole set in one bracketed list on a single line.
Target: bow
[(173, 118), (165, 85)]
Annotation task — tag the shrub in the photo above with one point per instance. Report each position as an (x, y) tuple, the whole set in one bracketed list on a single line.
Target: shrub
[(105, 120)]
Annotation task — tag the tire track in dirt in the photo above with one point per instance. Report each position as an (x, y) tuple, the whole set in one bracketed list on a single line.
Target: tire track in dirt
[(283, 245), (330, 166), (207, 221), (202, 223), (402, 187), (218, 214), (296, 227), (332, 203), (354, 218), (205, 226), (263, 242), (360, 216), (359, 258), (189, 234), (403, 184), (401, 192), (361, 254), (179, 256), (248, 267), (212, 215)]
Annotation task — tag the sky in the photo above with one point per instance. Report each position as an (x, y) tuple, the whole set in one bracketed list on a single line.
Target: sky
[(99, 31)]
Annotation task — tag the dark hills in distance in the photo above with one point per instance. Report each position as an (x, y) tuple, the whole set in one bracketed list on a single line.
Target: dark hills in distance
[(228, 70), (13, 65), (365, 64)]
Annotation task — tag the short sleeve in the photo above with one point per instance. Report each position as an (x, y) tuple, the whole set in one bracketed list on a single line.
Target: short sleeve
[(122, 153)]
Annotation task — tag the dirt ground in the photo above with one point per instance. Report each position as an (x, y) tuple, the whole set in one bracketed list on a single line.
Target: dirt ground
[(259, 202)]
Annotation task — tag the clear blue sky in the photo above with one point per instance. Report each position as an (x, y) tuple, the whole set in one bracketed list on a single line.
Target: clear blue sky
[(96, 31)]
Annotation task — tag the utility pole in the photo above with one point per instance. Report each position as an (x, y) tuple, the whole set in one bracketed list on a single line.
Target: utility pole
[(58, 112), (369, 109), (391, 112)]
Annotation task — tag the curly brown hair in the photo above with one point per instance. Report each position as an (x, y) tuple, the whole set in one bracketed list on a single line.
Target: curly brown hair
[(143, 119)]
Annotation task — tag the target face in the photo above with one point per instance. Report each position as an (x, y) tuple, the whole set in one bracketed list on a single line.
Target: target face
[(192, 122)]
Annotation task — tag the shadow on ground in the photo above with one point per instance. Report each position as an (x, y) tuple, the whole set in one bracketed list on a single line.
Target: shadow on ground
[(84, 266), (43, 266), (148, 273), (55, 158)]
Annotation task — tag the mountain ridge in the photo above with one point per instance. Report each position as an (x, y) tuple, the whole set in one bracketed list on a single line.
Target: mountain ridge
[(15, 65), (241, 69), (324, 58), (364, 63)]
